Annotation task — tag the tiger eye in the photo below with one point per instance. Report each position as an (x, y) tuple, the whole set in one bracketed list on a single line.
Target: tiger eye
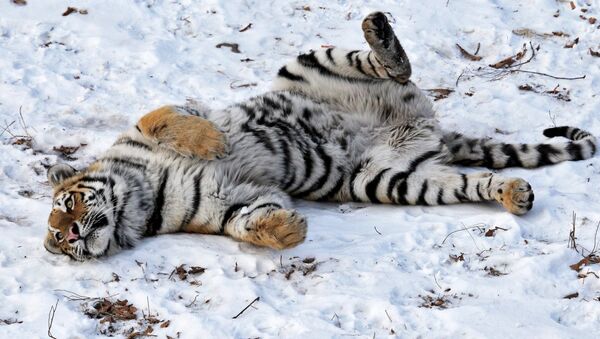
[(58, 236), (70, 204)]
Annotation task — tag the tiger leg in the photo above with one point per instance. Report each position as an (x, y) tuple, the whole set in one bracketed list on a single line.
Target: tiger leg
[(187, 135), (263, 216), (373, 81), (423, 181), (494, 154)]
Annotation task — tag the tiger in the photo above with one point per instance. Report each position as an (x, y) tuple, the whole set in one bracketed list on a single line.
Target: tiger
[(338, 125)]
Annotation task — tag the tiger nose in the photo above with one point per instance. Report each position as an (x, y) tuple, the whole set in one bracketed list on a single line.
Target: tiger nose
[(73, 234)]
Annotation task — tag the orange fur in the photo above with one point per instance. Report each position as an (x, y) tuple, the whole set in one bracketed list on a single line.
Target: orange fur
[(185, 134), (278, 229)]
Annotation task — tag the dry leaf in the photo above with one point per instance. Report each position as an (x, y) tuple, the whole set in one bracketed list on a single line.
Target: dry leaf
[(594, 53), (468, 55), (235, 48), (570, 44), (69, 11), (19, 2), (571, 295)]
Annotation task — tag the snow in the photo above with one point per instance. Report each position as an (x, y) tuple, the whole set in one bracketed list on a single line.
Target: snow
[(81, 79)]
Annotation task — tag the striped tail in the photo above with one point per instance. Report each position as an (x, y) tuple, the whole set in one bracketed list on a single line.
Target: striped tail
[(492, 154)]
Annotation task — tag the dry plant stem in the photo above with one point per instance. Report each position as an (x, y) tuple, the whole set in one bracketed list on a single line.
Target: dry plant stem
[(245, 308), (51, 319)]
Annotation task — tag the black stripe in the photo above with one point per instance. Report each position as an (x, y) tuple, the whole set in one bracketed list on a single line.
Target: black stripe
[(402, 189), (336, 188), (440, 197), (371, 65), (119, 214), (408, 97), (513, 157), (574, 151), (86, 187), (393, 182), (155, 221), (545, 151), (349, 57), (128, 163), (284, 73), (229, 214), (261, 135), (267, 204), (478, 189), (460, 196), (359, 66), (353, 176), (133, 143), (421, 200), (465, 184), (272, 104), (329, 56), (289, 175), (488, 159), (138, 128), (561, 131), (323, 179), (89, 179), (371, 187), (195, 200), (308, 167), (592, 146), (311, 61)]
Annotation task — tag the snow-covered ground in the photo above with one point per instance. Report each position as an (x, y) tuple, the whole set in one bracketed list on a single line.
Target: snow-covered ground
[(365, 271)]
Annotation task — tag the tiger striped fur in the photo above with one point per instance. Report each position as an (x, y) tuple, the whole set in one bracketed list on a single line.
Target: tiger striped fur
[(339, 125)]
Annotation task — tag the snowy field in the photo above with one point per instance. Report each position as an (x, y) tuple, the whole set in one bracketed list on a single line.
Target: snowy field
[(70, 83)]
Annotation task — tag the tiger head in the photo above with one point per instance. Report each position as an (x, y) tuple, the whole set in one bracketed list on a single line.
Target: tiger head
[(79, 225)]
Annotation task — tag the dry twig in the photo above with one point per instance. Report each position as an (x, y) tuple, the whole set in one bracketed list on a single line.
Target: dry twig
[(245, 308)]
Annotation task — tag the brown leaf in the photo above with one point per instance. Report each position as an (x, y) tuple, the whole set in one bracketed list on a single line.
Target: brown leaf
[(572, 43), (309, 260), (492, 231), (165, 324), (196, 270), (592, 20), (572, 5), (571, 295), (577, 266), (595, 53), (467, 54), (181, 272), (235, 48), (457, 258), (19, 2), (506, 62), (440, 93), (493, 272), (69, 11), (66, 150)]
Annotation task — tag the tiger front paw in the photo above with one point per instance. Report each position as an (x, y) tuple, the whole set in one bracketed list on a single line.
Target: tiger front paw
[(515, 195), (278, 229)]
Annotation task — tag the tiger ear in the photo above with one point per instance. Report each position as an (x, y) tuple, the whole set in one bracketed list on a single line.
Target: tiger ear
[(51, 245), (59, 172)]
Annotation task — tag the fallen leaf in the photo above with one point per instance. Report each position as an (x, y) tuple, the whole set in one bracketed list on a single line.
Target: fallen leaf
[(595, 53), (235, 48), (572, 43), (468, 55), (196, 270), (571, 295), (19, 2), (165, 324), (69, 11), (592, 20)]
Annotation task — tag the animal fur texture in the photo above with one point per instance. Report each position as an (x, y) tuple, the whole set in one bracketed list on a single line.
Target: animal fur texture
[(339, 125)]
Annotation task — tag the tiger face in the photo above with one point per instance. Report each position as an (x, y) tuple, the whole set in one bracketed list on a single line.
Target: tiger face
[(79, 224)]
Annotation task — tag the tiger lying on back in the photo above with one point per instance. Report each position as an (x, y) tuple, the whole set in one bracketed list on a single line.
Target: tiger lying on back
[(339, 126)]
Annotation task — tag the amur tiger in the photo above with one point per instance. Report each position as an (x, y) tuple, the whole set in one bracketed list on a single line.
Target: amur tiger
[(340, 125)]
